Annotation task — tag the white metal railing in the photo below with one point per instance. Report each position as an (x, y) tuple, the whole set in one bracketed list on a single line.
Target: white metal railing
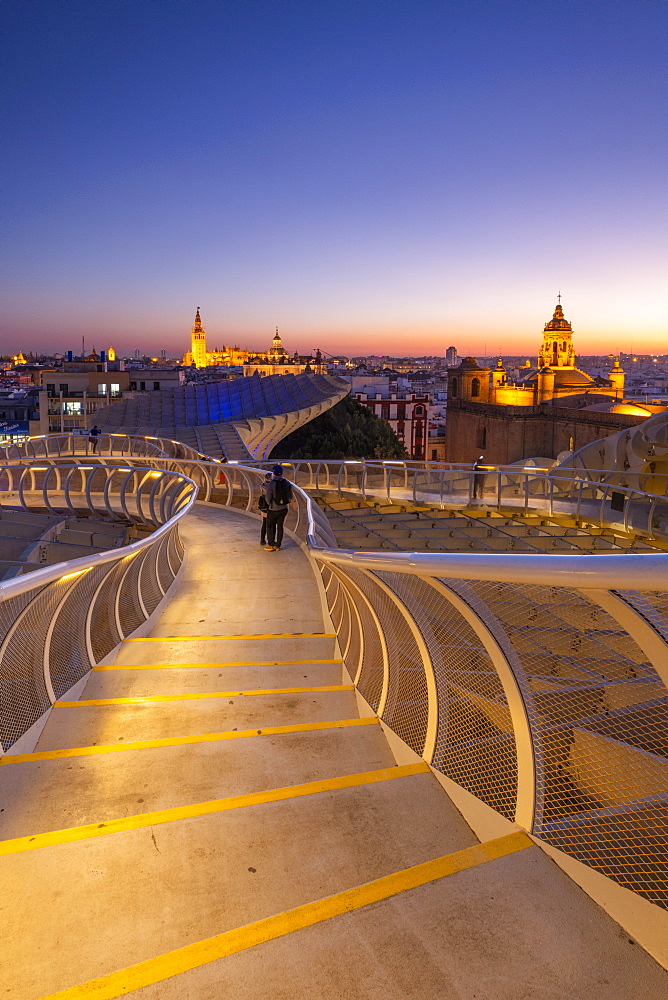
[(538, 683), (106, 445), (58, 621)]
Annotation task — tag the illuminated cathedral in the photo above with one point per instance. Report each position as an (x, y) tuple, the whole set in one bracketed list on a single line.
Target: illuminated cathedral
[(275, 361), (555, 376), (546, 410), (201, 358)]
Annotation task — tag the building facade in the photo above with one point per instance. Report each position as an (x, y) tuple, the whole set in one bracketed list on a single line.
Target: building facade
[(70, 396), (546, 410), (407, 413)]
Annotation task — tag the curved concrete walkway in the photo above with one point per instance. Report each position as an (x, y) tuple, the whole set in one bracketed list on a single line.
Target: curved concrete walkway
[(198, 840)]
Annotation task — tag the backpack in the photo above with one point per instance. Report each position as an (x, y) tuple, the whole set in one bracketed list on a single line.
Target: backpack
[(282, 492), (262, 502)]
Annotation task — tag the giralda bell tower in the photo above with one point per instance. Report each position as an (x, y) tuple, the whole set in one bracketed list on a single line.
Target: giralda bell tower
[(198, 342)]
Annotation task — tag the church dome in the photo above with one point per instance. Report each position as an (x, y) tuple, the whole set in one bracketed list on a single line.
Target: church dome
[(567, 378), (557, 322)]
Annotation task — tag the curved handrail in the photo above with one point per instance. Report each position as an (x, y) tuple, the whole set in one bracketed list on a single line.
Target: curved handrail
[(40, 577), (642, 571), (109, 445)]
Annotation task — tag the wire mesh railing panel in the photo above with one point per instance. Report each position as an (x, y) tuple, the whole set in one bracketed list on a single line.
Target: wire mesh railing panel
[(68, 658), (475, 744), (180, 548), (370, 682), (629, 846), (148, 581), (406, 709), (163, 569), (343, 629), (597, 712), (130, 611), (353, 653), (652, 606), (104, 633), (175, 551), (25, 696), (336, 608)]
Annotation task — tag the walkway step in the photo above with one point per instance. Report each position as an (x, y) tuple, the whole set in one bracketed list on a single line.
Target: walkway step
[(186, 880), (145, 680), (85, 725), (241, 939), (199, 695), (231, 650), (103, 786), (50, 838)]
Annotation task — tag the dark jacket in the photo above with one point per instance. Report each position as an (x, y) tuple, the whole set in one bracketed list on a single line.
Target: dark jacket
[(270, 492)]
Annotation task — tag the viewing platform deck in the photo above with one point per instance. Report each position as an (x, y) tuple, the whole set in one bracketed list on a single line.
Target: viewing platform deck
[(216, 813)]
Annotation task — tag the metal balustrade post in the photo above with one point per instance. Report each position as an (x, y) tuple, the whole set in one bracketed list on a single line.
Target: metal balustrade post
[(642, 633)]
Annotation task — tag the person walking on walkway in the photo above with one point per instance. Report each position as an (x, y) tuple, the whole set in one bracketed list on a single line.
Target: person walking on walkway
[(279, 494), (263, 507), (94, 434), (478, 478)]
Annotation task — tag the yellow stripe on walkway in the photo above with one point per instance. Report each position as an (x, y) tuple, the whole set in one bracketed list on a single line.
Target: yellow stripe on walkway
[(180, 741), (32, 843), (236, 663), (147, 699), (192, 956), (252, 635)]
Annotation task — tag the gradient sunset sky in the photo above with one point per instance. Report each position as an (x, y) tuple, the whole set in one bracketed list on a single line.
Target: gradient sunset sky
[(388, 176)]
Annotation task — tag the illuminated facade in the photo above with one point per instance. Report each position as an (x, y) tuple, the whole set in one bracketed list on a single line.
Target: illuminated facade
[(275, 361), (548, 410), (555, 376)]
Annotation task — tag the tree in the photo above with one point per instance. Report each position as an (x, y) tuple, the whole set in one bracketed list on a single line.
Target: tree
[(348, 430)]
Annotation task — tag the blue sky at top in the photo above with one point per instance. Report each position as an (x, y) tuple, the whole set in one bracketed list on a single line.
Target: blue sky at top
[(370, 176)]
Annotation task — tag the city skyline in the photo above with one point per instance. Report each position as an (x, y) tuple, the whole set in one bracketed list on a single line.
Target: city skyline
[(372, 179)]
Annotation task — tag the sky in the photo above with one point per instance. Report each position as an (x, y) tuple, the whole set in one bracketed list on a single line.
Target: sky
[(372, 176)]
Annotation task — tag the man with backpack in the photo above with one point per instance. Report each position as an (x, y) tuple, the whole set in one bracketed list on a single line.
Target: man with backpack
[(279, 494), (263, 507)]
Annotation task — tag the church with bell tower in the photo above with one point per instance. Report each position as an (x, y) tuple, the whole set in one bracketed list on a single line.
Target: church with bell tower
[(509, 419), (557, 350), (275, 361)]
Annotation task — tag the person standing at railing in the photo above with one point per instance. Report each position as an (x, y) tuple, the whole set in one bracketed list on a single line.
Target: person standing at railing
[(263, 507), (278, 492), (94, 434), (478, 478)]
